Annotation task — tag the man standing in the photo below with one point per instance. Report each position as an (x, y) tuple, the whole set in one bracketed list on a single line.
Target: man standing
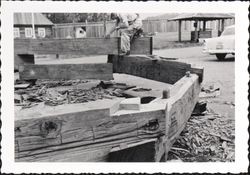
[(128, 25)]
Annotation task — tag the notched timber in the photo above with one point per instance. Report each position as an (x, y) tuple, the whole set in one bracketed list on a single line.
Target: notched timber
[(67, 71), (43, 134)]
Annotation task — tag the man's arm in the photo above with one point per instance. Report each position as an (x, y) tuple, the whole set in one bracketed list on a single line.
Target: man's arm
[(123, 24)]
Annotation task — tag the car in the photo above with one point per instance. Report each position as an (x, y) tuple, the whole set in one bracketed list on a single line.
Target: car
[(222, 45)]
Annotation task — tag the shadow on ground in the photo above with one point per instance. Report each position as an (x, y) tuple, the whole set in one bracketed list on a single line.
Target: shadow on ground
[(227, 59)]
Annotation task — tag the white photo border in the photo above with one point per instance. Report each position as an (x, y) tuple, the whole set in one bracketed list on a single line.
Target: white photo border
[(240, 9)]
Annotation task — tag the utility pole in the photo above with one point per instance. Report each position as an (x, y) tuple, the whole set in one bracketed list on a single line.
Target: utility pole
[(33, 25)]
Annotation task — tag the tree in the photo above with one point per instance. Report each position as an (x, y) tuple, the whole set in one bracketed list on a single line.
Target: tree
[(76, 17)]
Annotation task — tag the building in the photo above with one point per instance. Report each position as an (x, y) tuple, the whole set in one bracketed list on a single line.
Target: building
[(23, 26)]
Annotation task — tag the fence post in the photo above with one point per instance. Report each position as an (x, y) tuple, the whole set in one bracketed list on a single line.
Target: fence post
[(105, 29)]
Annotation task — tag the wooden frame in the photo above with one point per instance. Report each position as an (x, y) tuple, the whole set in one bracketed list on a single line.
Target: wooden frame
[(98, 130), (76, 46)]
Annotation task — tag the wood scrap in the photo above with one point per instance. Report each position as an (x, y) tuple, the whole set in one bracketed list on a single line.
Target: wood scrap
[(21, 86), (210, 136), (57, 92)]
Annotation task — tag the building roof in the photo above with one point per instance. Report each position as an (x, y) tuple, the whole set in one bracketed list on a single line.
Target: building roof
[(202, 16), (26, 19)]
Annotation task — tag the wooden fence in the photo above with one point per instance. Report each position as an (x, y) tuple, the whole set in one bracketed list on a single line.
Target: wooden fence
[(96, 29), (67, 30)]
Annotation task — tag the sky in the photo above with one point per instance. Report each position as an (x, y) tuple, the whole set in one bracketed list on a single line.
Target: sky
[(145, 15)]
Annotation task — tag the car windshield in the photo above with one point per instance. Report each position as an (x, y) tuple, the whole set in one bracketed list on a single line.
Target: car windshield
[(228, 31)]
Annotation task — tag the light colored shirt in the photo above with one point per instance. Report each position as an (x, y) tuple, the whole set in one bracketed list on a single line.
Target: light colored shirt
[(80, 33), (132, 19)]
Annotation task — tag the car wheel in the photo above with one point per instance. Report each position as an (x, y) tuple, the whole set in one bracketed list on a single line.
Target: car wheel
[(221, 56)]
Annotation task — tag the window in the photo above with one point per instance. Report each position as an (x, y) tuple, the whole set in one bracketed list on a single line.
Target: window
[(228, 31), (16, 32), (41, 32), (28, 32)]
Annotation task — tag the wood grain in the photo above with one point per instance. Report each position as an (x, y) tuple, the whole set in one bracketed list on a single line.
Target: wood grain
[(79, 46), (44, 134), (181, 106), (89, 133), (67, 71), (160, 70)]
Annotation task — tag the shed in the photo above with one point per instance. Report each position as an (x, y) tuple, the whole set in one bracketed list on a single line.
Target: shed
[(201, 17), (23, 25)]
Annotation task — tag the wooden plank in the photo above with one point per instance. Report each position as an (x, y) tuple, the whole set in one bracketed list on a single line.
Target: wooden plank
[(46, 131), (21, 86), (142, 46), (67, 71), (81, 46), (180, 107), (79, 154), (160, 149), (87, 153), (160, 70)]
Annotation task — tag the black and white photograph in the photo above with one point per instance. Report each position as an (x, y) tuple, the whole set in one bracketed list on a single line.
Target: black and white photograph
[(124, 86)]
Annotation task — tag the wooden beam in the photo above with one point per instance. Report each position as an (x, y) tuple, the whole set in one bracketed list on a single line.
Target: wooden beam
[(196, 34), (219, 27), (80, 46), (23, 59), (222, 25), (179, 30), (185, 99), (67, 71), (199, 71), (204, 25), (142, 46), (47, 131), (160, 70)]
